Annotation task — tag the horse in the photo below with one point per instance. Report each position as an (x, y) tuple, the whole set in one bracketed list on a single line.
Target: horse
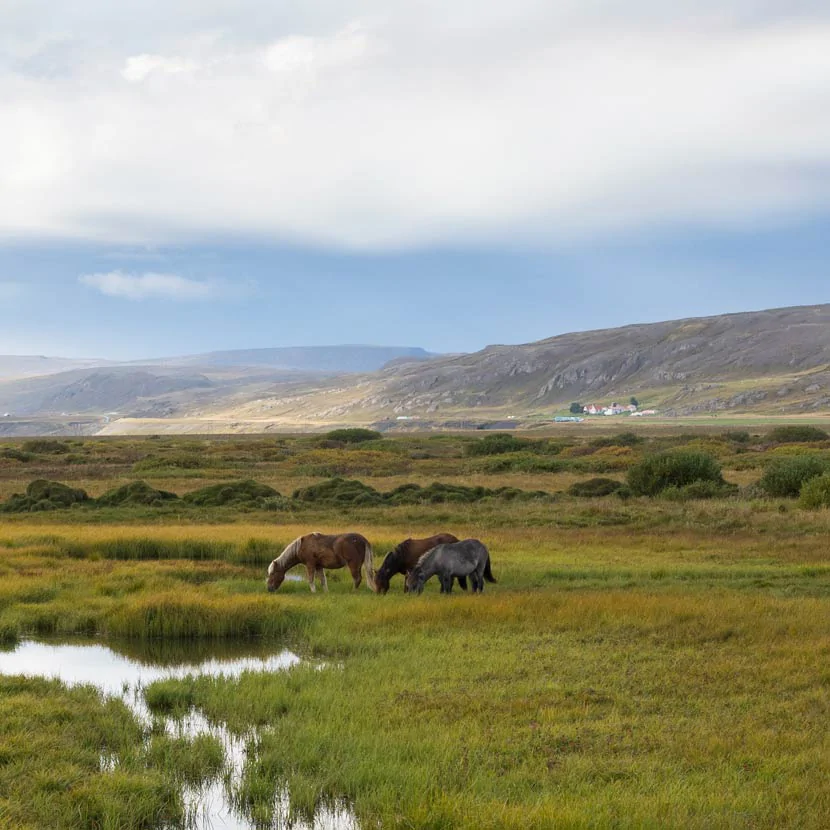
[(402, 559), (466, 558), (317, 551)]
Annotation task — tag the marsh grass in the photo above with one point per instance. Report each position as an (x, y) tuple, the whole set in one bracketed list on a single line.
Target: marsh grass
[(640, 663)]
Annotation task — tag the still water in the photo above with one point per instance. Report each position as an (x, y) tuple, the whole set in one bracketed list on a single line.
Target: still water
[(126, 675)]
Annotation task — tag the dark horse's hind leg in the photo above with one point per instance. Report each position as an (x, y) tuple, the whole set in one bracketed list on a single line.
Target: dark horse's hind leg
[(446, 584), (462, 583)]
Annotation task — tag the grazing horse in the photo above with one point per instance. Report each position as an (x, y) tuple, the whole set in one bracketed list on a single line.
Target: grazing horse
[(402, 559), (467, 558), (317, 551)]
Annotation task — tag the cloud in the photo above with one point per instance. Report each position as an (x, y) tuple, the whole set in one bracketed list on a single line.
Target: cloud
[(149, 286), (373, 126), (138, 67)]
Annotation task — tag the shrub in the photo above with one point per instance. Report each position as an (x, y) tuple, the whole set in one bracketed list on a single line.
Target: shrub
[(135, 493), (595, 487), (497, 444), (623, 439), (700, 490), (177, 461), (657, 472), (737, 436), (339, 491), (246, 493), (16, 455), (785, 477), (439, 493), (815, 493), (45, 495), (520, 462), (45, 445), (352, 436), (796, 433)]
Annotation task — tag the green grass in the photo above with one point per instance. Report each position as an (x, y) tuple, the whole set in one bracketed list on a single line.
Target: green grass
[(640, 662)]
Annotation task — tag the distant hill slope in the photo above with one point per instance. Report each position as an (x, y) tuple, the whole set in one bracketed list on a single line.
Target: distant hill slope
[(777, 358), (13, 367), (182, 386), (335, 359)]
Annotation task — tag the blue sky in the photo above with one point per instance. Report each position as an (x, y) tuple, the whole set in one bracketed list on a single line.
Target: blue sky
[(184, 177)]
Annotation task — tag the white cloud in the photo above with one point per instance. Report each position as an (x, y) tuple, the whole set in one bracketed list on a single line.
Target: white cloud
[(149, 286), (540, 120), (138, 67)]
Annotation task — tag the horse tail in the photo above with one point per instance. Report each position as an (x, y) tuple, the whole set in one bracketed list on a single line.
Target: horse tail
[(488, 574), (368, 555)]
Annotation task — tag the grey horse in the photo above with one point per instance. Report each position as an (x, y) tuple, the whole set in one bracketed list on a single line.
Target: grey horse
[(466, 558)]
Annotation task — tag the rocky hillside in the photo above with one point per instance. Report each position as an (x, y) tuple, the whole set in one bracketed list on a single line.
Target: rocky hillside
[(776, 360)]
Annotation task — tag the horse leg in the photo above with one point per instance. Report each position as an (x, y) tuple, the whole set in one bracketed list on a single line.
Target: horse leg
[(479, 577), (462, 583), (446, 584), (321, 575), (354, 567), (310, 571)]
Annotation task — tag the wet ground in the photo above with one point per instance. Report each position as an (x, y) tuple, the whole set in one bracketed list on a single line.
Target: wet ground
[(125, 675)]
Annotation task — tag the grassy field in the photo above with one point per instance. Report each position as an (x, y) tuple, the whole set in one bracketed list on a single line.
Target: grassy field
[(641, 662)]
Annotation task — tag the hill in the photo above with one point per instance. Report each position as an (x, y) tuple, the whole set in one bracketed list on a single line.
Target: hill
[(772, 361)]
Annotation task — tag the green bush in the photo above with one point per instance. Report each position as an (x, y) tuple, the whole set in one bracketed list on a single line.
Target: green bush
[(246, 493), (135, 493), (339, 491), (623, 439), (16, 455), (672, 469), (796, 433), (45, 495), (737, 436), (352, 435), (520, 462), (594, 487), (700, 490), (815, 493), (45, 446), (497, 444), (785, 478)]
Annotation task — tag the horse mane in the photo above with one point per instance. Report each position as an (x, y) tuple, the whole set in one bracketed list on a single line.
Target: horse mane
[(399, 552), (288, 558)]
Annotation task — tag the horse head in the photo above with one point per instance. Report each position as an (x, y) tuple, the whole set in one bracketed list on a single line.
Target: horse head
[(382, 577), (415, 580), (276, 575)]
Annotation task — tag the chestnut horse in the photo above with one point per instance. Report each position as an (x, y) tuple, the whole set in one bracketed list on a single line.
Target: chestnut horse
[(317, 551), (402, 559)]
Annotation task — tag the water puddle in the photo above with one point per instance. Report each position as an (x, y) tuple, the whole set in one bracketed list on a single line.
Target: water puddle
[(125, 676)]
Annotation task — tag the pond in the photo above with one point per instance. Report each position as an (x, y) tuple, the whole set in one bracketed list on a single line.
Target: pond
[(125, 676)]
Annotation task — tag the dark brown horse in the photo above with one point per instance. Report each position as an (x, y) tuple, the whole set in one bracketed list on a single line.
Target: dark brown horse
[(402, 559), (317, 551)]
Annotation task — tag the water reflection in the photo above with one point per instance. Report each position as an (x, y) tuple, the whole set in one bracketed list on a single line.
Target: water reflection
[(125, 675)]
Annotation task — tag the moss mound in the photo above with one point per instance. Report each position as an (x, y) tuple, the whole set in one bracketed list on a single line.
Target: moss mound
[(339, 491), (595, 487), (136, 493), (794, 433), (438, 493), (246, 493), (45, 495)]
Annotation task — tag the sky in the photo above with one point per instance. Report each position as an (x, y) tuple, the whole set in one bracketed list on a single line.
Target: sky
[(194, 175)]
